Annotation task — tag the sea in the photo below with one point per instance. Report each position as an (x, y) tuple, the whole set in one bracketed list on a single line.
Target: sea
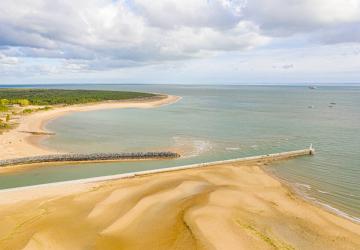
[(218, 122)]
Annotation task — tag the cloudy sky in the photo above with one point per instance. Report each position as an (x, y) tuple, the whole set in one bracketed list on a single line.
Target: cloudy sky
[(180, 41)]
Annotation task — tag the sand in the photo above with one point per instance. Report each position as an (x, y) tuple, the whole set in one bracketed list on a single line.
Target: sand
[(17, 143), (229, 206)]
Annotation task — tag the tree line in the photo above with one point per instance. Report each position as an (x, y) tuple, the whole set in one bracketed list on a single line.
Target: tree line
[(24, 97)]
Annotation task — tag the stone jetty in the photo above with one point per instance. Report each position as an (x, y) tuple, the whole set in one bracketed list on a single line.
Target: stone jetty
[(259, 158), (88, 157)]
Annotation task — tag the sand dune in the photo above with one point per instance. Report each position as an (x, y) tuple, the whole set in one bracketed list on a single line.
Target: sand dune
[(232, 206)]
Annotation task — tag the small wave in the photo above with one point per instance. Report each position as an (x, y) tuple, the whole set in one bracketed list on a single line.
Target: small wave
[(192, 147), (325, 192), (351, 195), (324, 205), (338, 212), (321, 191), (232, 149), (200, 147), (303, 186)]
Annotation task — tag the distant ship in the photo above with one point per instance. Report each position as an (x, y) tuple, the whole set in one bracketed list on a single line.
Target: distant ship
[(312, 87)]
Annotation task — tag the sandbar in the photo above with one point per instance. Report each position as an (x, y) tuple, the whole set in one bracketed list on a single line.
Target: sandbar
[(226, 206)]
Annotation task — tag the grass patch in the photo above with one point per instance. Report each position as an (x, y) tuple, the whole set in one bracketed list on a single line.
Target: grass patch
[(5, 126), (272, 242), (27, 111), (3, 108)]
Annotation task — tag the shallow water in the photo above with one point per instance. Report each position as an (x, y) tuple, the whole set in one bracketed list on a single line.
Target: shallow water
[(222, 122)]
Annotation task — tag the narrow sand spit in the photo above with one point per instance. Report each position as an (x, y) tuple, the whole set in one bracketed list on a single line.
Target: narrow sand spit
[(17, 143), (228, 206)]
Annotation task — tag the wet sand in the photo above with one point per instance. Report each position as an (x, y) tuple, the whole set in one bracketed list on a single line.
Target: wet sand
[(228, 206)]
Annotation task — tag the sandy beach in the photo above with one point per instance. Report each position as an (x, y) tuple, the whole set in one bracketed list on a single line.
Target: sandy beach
[(230, 206), (233, 205), (19, 142), (259, 151)]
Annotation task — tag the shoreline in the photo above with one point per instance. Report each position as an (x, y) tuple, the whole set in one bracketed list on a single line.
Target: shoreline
[(265, 160), (79, 185), (15, 143), (222, 195), (308, 199)]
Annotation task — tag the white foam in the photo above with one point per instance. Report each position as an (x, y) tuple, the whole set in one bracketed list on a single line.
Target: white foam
[(197, 146), (338, 212), (200, 147), (352, 195), (328, 207), (323, 192), (232, 149), (303, 186)]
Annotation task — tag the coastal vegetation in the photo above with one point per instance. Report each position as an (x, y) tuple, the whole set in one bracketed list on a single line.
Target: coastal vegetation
[(25, 97), (3, 108), (29, 111), (17, 102), (4, 126)]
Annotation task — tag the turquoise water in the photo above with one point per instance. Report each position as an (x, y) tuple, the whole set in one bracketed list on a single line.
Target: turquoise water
[(222, 122)]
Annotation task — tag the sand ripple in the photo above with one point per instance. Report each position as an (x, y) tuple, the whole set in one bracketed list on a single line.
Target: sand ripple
[(221, 207)]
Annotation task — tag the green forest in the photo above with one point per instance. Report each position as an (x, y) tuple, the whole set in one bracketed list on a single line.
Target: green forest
[(24, 97)]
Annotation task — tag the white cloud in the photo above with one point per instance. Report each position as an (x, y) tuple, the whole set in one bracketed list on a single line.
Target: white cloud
[(284, 66), (142, 31), (8, 60), (200, 13), (92, 35), (286, 17)]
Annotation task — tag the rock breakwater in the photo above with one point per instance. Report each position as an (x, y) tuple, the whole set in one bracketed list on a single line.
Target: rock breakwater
[(87, 157)]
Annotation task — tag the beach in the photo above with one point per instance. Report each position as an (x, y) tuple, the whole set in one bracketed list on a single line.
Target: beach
[(228, 206), (231, 205), (261, 149), (21, 141)]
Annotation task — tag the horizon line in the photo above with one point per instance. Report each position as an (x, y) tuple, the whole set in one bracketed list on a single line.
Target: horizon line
[(197, 84)]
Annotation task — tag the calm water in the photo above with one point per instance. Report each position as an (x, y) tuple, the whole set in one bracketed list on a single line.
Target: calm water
[(223, 122)]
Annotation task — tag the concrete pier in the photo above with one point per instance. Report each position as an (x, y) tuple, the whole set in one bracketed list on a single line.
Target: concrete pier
[(269, 157), (146, 155)]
